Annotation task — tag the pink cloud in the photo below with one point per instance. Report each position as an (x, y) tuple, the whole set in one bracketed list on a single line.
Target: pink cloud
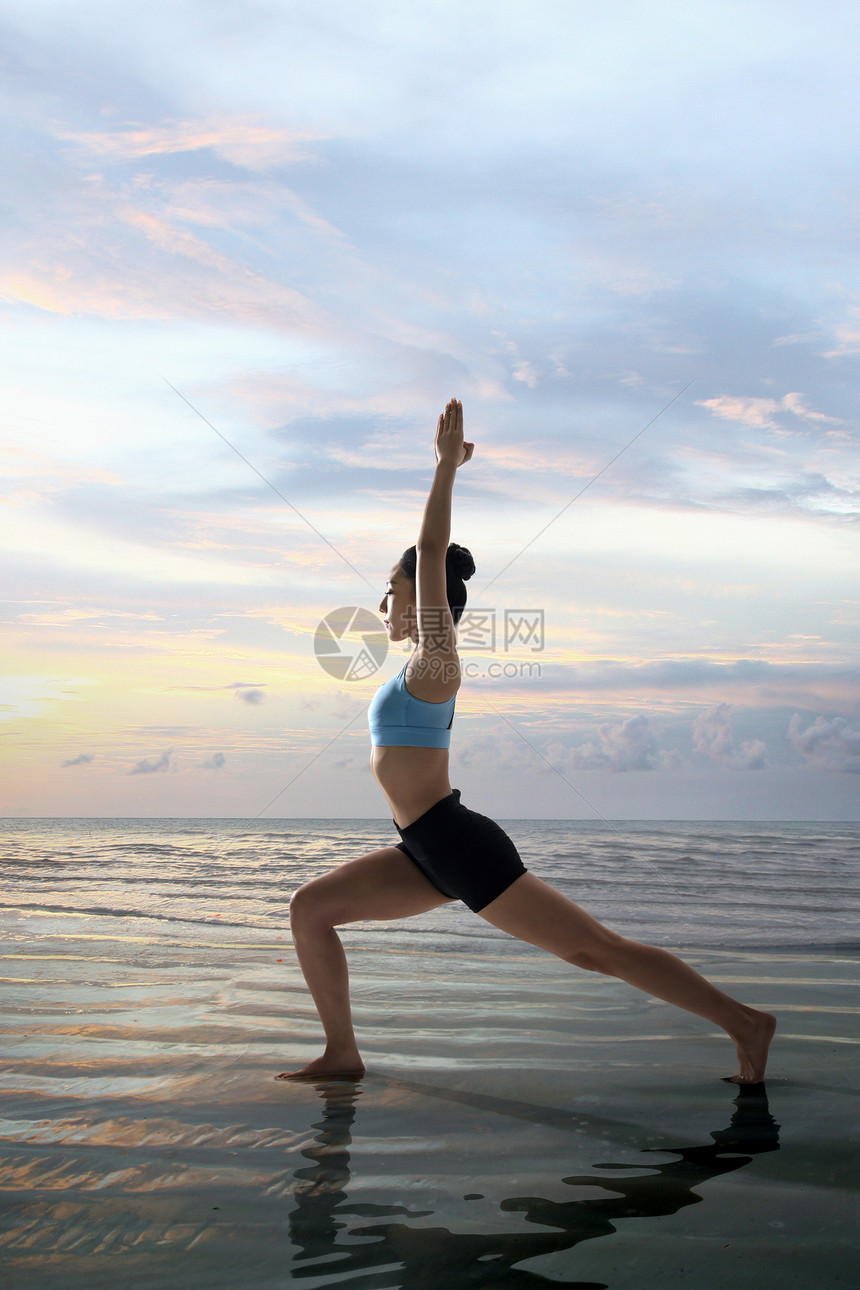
[(241, 140)]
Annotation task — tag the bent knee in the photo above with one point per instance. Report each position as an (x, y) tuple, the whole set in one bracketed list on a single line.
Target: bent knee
[(597, 955), (306, 905)]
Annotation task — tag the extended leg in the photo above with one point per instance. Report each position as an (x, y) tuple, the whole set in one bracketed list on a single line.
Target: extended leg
[(535, 912), (384, 884)]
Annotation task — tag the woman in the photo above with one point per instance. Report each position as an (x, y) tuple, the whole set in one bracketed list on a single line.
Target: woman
[(448, 852)]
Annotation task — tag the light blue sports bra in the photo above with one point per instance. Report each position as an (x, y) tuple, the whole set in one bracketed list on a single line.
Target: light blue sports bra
[(397, 719)]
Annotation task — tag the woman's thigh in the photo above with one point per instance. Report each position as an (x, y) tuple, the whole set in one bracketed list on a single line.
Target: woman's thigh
[(533, 911), (382, 884)]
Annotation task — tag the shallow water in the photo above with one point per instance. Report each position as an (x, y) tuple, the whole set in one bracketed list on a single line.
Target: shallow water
[(521, 1123), (702, 883)]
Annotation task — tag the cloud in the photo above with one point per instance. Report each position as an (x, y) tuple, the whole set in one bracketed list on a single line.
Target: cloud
[(752, 755), (241, 140), (501, 753), (149, 767), (754, 682), (713, 738), (673, 674), (82, 759), (133, 246), (238, 686), (352, 762), (846, 334), (628, 745), (750, 411), (587, 294), (760, 412), (794, 403), (215, 762), (248, 695), (526, 373), (828, 744)]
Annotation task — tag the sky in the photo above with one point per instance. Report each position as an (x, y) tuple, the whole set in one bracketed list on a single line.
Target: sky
[(250, 250)]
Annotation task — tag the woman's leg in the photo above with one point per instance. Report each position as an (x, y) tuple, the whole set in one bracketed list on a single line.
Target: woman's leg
[(383, 884), (535, 912)]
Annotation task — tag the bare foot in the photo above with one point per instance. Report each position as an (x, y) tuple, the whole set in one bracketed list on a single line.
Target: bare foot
[(752, 1049), (344, 1065)]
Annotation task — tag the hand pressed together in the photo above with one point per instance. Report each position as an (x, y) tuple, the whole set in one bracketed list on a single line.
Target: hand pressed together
[(450, 444)]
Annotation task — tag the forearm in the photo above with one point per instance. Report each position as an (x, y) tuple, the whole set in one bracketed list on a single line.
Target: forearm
[(436, 524)]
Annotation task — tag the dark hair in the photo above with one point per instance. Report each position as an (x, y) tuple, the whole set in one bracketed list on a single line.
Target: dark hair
[(459, 566)]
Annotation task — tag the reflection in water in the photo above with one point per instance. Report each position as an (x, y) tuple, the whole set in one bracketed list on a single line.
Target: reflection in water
[(321, 1189), (394, 1254)]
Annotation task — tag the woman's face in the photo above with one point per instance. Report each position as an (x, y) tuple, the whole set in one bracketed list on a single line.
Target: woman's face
[(398, 607)]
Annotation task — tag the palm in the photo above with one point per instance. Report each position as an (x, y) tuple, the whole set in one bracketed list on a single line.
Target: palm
[(450, 444)]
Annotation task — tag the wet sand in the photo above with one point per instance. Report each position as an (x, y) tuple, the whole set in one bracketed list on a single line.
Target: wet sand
[(521, 1123)]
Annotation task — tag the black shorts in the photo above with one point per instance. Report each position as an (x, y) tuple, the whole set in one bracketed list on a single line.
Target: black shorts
[(466, 856)]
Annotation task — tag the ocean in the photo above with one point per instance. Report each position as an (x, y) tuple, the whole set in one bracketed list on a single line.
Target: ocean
[(698, 884), (521, 1123)]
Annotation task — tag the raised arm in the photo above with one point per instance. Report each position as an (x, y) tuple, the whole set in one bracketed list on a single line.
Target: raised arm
[(436, 637), (451, 451)]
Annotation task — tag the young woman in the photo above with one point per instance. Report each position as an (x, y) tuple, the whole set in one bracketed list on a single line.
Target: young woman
[(448, 852)]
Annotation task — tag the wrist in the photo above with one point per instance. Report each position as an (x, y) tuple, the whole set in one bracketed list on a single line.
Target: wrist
[(446, 466)]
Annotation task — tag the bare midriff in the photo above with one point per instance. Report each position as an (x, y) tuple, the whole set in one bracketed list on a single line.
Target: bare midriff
[(412, 779)]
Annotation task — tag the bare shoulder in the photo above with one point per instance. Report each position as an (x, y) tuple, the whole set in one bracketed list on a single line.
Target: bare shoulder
[(432, 676)]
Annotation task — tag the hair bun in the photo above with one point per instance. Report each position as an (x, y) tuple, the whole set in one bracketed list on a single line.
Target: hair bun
[(460, 561)]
